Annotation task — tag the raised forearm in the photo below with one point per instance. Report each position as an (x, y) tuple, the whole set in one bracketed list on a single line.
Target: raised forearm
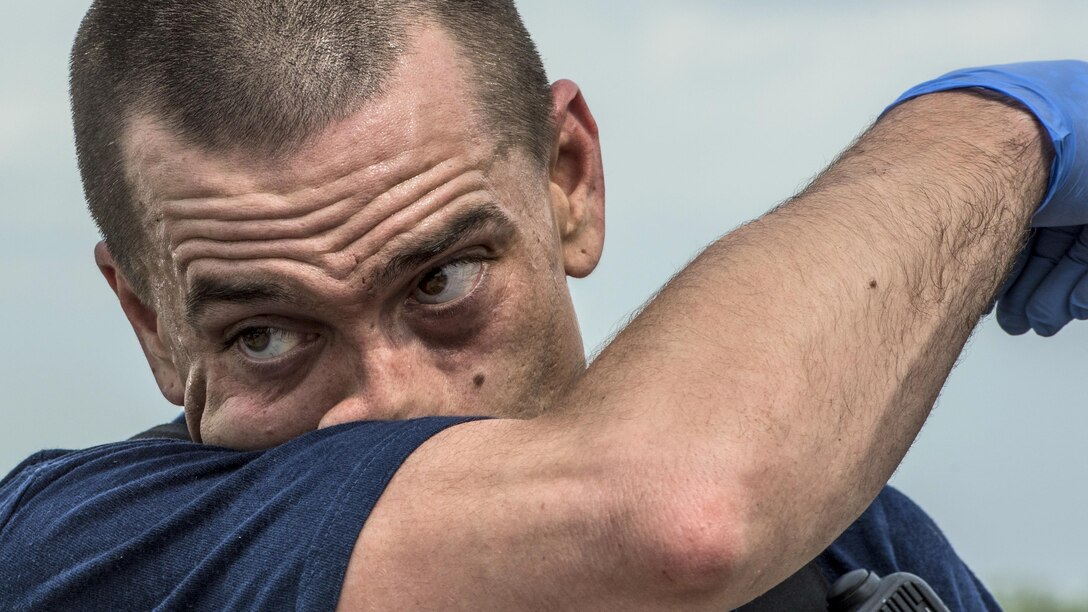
[(781, 377)]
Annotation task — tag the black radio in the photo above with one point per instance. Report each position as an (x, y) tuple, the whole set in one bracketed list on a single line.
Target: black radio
[(864, 591)]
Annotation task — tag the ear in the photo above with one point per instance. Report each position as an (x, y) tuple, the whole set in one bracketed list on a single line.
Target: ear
[(145, 322), (576, 180)]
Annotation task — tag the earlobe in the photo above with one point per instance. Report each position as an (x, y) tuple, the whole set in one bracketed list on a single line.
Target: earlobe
[(145, 322), (577, 180)]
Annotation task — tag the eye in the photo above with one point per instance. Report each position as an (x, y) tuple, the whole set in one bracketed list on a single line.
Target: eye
[(266, 343), (447, 282)]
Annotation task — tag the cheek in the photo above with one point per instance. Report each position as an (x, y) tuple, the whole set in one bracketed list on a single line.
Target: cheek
[(531, 352)]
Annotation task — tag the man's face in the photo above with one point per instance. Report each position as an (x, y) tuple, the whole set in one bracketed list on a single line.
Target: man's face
[(395, 266)]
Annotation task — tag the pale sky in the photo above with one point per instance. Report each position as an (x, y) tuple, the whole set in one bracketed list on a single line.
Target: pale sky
[(710, 113)]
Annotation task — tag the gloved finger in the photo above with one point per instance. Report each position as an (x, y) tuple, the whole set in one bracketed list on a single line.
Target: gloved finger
[(1017, 268), (1078, 300), (1050, 244), (1049, 310)]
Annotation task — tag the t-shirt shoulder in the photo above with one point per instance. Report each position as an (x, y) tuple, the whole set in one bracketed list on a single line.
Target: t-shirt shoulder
[(160, 523)]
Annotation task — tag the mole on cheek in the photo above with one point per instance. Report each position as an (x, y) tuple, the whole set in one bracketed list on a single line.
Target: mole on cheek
[(478, 380)]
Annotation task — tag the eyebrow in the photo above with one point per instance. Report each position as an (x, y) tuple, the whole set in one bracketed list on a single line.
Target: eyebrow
[(207, 292), (420, 249)]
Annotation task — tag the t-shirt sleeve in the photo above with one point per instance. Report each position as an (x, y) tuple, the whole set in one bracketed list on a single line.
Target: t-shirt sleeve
[(895, 535), (165, 524)]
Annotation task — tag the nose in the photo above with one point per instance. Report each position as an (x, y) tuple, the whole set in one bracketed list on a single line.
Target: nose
[(392, 385)]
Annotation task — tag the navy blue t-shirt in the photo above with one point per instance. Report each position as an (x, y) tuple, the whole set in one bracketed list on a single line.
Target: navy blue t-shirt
[(167, 524)]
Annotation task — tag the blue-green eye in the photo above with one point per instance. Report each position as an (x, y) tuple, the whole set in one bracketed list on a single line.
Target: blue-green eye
[(447, 282), (266, 343)]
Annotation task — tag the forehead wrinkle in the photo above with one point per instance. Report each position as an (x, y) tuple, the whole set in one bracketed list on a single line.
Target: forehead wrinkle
[(326, 218), (318, 221), (340, 263), (451, 196), (337, 251), (311, 197), (395, 215)]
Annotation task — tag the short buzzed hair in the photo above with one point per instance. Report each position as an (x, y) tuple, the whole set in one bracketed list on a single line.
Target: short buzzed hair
[(263, 75)]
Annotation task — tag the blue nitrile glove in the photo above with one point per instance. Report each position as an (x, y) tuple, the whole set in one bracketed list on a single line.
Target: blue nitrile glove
[(1049, 286)]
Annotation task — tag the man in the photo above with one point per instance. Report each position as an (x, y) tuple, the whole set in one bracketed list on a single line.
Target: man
[(316, 217)]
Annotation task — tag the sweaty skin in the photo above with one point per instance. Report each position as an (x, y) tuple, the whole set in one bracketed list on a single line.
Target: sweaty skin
[(742, 420), (319, 261)]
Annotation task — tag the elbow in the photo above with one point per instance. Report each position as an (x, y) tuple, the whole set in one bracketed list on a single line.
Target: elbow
[(699, 546)]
